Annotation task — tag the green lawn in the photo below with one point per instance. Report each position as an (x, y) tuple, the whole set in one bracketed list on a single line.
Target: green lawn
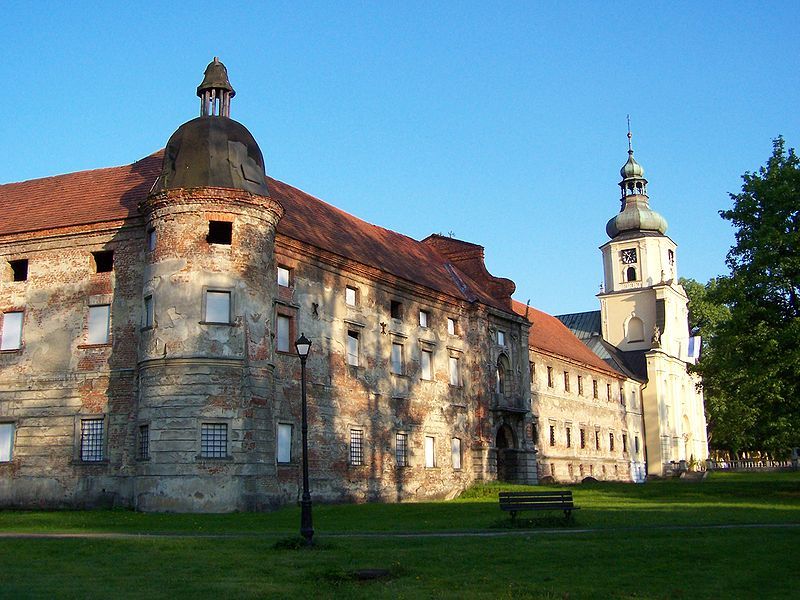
[(623, 543)]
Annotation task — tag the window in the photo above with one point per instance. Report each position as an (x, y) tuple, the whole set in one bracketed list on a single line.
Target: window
[(427, 364), (11, 335), (594, 389), (566, 381), (144, 442), (148, 311), (213, 440), (501, 338), (430, 452), (19, 269), (671, 257), (608, 392), (549, 376), (552, 435), (583, 438), (220, 232), (151, 239), (218, 307), (99, 317), (636, 444), (401, 449), (6, 441), (424, 318), (580, 385), (396, 309), (103, 261), (597, 440), (611, 441), (397, 359), (356, 447), (92, 440), (455, 453), (569, 437), (283, 276), (283, 333), (350, 296), (630, 274), (284, 442), (352, 348), (622, 395), (452, 326), (455, 378), (625, 443)]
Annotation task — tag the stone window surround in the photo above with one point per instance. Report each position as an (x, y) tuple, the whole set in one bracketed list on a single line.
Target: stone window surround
[(427, 346), (76, 446), (139, 425)]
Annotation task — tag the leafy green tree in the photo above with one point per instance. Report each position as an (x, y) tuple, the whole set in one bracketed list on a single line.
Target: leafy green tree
[(751, 371)]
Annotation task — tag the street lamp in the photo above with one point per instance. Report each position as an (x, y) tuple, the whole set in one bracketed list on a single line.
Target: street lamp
[(303, 346)]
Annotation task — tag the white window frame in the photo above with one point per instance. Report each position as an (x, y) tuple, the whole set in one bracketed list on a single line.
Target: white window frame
[(11, 334), (501, 338), (284, 276), (351, 296), (452, 326), (283, 443), (397, 358), (426, 365), (455, 371), (424, 318), (7, 435), (353, 347), (283, 333), (430, 452), (455, 453), (98, 324), (212, 300)]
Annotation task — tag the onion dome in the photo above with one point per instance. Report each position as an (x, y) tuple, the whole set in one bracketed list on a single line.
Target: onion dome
[(635, 214), (213, 150)]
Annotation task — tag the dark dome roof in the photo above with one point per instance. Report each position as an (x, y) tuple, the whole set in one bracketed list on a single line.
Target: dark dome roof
[(213, 151)]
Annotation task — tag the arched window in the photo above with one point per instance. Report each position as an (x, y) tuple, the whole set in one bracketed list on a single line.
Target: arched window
[(501, 381), (630, 274), (635, 330)]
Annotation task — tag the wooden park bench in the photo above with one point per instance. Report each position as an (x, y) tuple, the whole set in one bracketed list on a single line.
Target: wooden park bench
[(515, 502)]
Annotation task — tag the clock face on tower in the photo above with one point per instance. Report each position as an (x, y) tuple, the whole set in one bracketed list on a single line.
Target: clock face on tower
[(628, 256)]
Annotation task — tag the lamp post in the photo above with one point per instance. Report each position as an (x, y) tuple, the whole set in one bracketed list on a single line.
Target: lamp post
[(303, 346)]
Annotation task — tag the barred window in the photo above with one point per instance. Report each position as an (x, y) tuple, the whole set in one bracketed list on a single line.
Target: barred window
[(552, 435), (594, 388), (92, 440), (611, 441), (401, 449), (144, 441), (583, 438), (569, 437), (214, 440), (356, 447)]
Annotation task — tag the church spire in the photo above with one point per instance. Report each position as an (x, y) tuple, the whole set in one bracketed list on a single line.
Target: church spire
[(632, 173), (215, 91)]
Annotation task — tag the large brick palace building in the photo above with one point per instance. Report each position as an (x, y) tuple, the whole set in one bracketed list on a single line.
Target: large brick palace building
[(147, 358)]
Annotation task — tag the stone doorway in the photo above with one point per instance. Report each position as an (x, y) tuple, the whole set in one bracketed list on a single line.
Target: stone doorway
[(506, 456)]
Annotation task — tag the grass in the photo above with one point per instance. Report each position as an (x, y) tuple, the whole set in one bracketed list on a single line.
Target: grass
[(623, 544)]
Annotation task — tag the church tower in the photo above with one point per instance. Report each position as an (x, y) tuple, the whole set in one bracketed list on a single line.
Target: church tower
[(644, 313), (205, 361)]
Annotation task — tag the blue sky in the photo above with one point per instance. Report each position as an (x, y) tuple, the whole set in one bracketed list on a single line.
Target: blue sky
[(502, 122)]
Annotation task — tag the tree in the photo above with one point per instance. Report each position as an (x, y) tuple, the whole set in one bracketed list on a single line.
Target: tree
[(751, 370)]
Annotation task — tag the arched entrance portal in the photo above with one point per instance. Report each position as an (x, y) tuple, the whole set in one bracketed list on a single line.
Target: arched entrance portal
[(505, 443)]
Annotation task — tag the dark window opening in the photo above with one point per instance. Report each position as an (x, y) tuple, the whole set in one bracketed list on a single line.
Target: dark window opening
[(220, 232), (397, 309), (20, 268), (631, 274), (103, 261)]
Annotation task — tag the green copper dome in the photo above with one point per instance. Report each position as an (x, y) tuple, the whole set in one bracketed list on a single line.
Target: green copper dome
[(635, 214)]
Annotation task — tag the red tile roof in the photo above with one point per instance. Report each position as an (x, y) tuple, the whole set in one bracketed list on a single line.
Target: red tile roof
[(113, 193), (550, 335)]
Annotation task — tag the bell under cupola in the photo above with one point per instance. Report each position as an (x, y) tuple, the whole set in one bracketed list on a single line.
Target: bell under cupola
[(635, 213), (215, 91)]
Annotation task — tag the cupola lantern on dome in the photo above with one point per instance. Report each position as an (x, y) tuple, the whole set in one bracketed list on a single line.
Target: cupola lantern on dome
[(215, 91), (213, 150), (635, 212)]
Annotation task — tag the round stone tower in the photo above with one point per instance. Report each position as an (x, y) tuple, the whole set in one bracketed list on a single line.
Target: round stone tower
[(205, 356)]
